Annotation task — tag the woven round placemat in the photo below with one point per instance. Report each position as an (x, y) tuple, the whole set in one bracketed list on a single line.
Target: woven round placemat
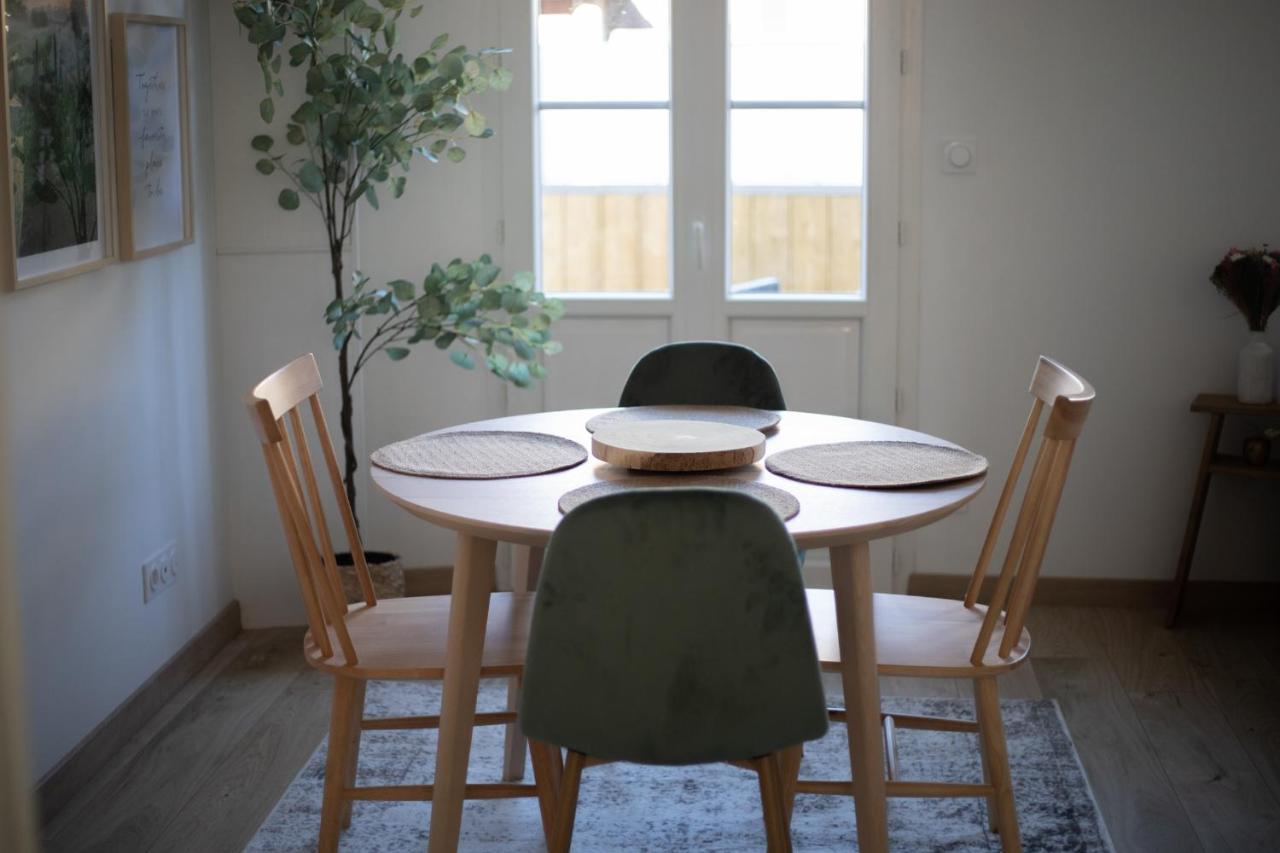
[(781, 502), (480, 455), (761, 419), (876, 464)]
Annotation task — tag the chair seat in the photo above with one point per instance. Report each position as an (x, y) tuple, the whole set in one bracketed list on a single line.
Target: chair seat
[(406, 637), (918, 636)]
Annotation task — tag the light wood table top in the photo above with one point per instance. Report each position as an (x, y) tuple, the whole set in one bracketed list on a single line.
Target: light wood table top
[(524, 510)]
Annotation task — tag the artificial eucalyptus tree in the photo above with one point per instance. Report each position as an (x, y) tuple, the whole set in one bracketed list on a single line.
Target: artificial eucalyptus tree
[(367, 111)]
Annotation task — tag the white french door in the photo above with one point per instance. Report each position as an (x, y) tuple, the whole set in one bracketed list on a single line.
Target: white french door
[(709, 169)]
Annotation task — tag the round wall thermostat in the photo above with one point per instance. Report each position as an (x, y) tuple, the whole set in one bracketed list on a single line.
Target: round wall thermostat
[(959, 155)]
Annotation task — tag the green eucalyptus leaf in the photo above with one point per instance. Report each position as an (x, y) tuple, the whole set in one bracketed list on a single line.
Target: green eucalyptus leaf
[(310, 177), (456, 154), (462, 358), (554, 309), (397, 353), (266, 166), (404, 290), (474, 124), (518, 374), (267, 109), (262, 142), (288, 199)]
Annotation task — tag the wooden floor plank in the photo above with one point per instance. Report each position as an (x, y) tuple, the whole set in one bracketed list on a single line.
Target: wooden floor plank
[(1229, 804), (143, 795), (239, 792), (1064, 632), (74, 812), (1244, 685), (1146, 656), (1139, 805)]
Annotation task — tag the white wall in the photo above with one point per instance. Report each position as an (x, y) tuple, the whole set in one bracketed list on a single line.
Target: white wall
[(1122, 148), (109, 379)]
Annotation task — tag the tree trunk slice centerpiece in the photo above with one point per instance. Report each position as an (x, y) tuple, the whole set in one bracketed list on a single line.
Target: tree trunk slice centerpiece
[(677, 445)]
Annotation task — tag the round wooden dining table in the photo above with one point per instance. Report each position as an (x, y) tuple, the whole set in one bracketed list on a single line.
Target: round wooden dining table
[(524, 511)]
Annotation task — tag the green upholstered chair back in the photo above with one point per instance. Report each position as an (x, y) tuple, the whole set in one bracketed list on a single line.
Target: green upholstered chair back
[(703, 373), (671, 627)]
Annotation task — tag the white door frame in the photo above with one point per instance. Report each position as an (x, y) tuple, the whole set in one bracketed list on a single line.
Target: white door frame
[(889, 356)]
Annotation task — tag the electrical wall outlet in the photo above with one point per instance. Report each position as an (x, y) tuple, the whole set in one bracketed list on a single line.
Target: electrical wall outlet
[(159, 572)]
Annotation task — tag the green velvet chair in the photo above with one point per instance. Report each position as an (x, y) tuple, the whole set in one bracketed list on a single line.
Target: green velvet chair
[(703, 373), (670, 628)]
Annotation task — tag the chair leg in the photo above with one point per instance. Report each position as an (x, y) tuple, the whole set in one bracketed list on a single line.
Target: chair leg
[(772, 802), (567, 803), (353, 758), (548, 769), (789, 760), (514, 744), (992, 806), (991, 732), (336, 764)]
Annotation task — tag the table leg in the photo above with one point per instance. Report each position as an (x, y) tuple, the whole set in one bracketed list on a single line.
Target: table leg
[(855, 615), (524, 578), (1192, 533), (468, 613)]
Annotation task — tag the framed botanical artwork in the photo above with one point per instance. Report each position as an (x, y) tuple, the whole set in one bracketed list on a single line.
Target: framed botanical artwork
[(153, 160), (56, 219)]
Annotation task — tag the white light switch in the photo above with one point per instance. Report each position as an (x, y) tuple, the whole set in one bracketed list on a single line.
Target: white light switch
[(960, 155)]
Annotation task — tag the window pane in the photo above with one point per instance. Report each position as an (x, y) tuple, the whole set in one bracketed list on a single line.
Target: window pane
[(605, 201), (609, 51), (807, 50), (797, 201)]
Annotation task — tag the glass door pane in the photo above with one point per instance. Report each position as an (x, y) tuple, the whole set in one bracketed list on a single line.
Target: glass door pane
[(797, 141), (605, 147)]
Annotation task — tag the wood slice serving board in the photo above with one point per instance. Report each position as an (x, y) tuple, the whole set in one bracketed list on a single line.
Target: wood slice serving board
[(677, 445)]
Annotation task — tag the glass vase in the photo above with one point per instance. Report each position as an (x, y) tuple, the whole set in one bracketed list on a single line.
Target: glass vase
[(1255, 379)]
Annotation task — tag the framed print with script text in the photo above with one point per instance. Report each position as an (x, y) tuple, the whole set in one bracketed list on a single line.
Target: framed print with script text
[(153, 160)]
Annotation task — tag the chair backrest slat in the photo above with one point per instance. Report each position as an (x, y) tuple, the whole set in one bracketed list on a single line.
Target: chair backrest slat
[(1002, 506), (318, 521), (344, 508), (1068, 398), (328, 589), (1024, 586), (315, 619), (274, 408)]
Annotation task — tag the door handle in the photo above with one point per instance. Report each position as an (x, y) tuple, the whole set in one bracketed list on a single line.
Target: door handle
[(700, 244)]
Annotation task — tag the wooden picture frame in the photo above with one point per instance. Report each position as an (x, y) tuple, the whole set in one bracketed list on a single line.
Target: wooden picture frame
[(57, 216), (152, 134)]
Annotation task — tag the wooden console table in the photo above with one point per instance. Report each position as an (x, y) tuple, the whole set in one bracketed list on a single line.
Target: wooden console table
[(1217, 406)]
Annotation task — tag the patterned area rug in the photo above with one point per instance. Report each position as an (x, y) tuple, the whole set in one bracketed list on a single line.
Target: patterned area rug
[(628, 807)]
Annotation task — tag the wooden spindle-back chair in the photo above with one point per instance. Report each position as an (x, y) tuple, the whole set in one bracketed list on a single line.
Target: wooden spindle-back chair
[(402, 638), (943, 638)]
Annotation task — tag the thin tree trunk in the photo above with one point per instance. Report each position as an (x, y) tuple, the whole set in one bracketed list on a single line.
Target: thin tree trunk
[(344, 385)]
